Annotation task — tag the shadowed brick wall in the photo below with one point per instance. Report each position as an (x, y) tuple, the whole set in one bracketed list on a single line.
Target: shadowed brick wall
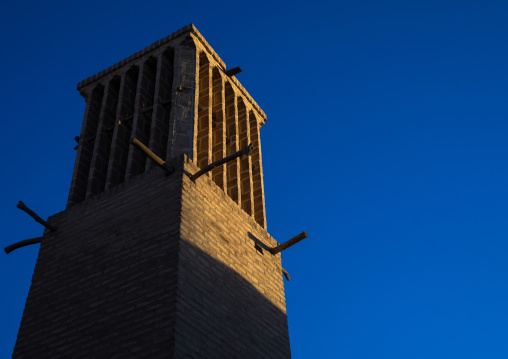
[(104, 283)]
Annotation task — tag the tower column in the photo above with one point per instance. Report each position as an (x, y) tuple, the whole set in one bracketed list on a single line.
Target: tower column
[(182, 107), (79, 181), (257, 175), (102, 145), (159, 129), (123, 124), (245, 175), (142, 120), (232, 146), (204, 128), (218, 127)]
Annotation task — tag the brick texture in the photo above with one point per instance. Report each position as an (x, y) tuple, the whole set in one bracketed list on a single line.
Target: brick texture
[(160, 267), (230, 298), (104, 283)]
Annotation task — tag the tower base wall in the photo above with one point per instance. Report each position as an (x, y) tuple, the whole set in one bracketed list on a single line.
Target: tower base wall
[(157, 267)]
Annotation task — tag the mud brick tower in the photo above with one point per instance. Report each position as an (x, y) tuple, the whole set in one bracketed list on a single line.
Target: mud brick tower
[(146, 264)]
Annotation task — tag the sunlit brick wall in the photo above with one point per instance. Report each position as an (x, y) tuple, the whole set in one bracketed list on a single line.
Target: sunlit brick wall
[(230, 287)]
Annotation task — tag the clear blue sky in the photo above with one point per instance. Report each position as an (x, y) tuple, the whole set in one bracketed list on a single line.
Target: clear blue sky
[(386, 141)]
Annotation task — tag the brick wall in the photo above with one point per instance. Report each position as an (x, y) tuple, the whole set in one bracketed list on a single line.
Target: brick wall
[(104, 283), (157, 267), (145, 265), (230, 298)]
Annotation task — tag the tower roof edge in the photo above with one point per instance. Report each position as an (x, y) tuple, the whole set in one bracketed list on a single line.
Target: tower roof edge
[(181, 33)]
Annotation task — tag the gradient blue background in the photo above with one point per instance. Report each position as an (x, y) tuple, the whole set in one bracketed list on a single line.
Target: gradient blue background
[(386, 141)]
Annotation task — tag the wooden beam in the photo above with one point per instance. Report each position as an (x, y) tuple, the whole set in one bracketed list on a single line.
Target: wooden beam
[(289, 243), (24, 243), (286, 274), (169, 169), (244, 151), (32, 214), (233, 72)]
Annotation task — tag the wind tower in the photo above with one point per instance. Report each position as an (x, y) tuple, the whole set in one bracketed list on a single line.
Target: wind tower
[(162, 250)]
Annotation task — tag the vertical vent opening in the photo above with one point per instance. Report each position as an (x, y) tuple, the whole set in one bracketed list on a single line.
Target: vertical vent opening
[(86, 145), (102, 146), (231, 142), (203, 137), (217, 126), (245, 179)]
